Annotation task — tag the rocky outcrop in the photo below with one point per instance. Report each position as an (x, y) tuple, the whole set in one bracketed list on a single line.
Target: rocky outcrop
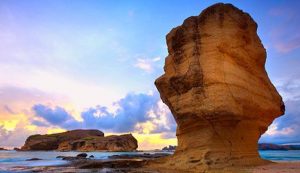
[(110, 143), (218, 90), (17, 149), (52, 141), (267, 146), (80, 140), (169, 148)]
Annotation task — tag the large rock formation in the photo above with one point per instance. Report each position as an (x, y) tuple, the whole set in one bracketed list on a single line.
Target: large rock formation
[(80, 140), (52, 141), (216, 86), (110, 143)]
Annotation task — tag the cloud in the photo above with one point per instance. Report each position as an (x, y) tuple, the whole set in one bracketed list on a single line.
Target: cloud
[(289, 87), (132, 110), (288, 46), (286, 129), (168, 135), (55, 116), (146, 64), (15, 102), (15, 113), (165, 121), (3, 133), (16, 137), (8, 110), (284, 32)]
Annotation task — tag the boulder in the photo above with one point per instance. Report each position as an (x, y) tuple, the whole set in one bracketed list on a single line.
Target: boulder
[(17, 149), (218, 90), (33, 159), (83, 155)]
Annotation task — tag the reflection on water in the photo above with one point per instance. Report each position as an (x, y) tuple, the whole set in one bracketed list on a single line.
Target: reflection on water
[(9, 159)]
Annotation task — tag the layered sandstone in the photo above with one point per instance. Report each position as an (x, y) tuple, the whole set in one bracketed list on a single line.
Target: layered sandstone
[(80, 140), (218, 90)]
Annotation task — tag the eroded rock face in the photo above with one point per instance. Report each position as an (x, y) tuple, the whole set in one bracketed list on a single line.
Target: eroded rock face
[(216, 86), (110, 143), (80, 140), (51, 142)]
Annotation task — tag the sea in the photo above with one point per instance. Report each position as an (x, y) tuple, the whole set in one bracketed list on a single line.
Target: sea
[(11, 159)]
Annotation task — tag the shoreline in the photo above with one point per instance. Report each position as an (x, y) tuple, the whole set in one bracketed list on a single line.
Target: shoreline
[(290, 167), (127, 162), (135, 165), (278, 167)]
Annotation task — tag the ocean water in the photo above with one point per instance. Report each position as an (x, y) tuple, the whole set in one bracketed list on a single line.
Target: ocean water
[(12, 159), (280, 155)]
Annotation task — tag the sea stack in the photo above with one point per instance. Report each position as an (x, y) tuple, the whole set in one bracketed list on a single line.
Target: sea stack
[(218, 90)]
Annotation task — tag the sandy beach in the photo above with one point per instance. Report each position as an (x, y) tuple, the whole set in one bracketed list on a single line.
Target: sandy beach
[(278, 167)]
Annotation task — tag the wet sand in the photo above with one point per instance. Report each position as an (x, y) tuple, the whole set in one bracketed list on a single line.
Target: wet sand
[(278, 167), (136, 166)]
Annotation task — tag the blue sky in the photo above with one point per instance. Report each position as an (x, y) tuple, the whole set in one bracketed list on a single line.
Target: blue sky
[(68, 63)]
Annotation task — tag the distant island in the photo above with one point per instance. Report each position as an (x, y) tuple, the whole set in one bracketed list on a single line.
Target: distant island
[(261, 146), (169, 148), (268, 146), (80, 140)]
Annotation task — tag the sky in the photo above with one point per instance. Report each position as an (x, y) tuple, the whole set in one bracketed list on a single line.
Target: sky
[(69, 64)]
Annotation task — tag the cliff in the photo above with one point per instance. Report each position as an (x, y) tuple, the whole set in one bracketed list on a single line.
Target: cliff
[(218, 90), (81, 140)]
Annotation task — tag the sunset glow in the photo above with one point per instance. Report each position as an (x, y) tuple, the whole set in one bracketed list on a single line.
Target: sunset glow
[(68, 65)]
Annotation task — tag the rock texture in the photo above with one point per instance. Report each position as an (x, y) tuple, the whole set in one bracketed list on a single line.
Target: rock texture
[(110, 143), (217, 89), (52, 141), (80, 140)]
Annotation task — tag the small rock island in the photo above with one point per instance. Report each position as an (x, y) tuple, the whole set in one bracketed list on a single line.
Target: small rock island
[(80, 140)]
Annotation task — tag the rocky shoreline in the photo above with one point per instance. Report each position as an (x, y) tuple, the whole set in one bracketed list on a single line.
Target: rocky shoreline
[(130, 163), (140, 164)]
